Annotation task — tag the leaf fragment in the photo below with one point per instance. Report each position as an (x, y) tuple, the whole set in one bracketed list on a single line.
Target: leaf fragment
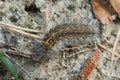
[(102, 11), (116, 5), (8, 64)]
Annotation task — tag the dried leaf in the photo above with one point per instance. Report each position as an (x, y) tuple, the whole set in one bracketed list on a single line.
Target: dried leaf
[(116, 5), (101, 11)]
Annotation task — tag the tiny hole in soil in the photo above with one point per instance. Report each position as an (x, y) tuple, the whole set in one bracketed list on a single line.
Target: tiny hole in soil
[(108, 38), (71, 7), (2, 0), (32, 8)]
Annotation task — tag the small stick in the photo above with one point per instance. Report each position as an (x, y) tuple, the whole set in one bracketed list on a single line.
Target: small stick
[(75, 47), (79, 52), (18, 27), (107, 49)]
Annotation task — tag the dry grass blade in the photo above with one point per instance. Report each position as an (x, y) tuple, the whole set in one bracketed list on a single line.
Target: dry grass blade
[(75, 47), (82, 51), (107, 49), (114, 48), (19, 53), (18, 27), (19, 30), (25, 33)]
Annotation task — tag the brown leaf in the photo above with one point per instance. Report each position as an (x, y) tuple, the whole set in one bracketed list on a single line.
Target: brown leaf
[(101, 11), (116, 5)]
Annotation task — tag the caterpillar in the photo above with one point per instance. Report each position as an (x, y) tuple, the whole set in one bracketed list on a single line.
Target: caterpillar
[(42, 51)]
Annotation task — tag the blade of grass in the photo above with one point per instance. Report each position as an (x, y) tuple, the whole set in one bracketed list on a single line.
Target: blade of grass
[(113, 51), (8, 64)]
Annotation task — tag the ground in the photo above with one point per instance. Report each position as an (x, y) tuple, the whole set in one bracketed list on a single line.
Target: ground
[(44, 15)]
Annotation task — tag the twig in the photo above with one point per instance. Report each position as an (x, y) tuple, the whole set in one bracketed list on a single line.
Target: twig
[(107, 49), (114, 48), (75, 47), (18, 27), (78, 52)]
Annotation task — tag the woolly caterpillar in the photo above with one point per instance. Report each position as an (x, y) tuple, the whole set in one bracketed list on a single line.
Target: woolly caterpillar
[(42, 51)]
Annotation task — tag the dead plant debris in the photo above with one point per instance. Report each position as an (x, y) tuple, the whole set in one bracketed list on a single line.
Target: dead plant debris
[(102, 10)]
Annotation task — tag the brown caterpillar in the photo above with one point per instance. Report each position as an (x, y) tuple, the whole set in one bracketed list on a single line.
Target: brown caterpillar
[(42, 51)]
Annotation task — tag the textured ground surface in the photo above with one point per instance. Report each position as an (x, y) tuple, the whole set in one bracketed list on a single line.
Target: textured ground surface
[(43, 15)]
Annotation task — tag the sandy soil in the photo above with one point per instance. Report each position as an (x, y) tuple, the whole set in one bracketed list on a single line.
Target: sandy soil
[(44, 15)]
